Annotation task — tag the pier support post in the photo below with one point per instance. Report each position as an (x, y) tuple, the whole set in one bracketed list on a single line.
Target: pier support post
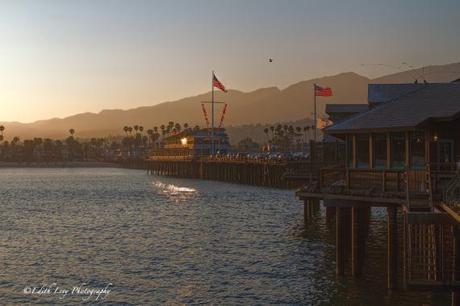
[(310, 206), (456, 294), (340, 237), (330, 213), (357, 240), (392, 256), (306, 209), (316, 206)]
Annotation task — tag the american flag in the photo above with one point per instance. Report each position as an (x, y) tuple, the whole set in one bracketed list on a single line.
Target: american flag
[(216, 83), (322, 91)]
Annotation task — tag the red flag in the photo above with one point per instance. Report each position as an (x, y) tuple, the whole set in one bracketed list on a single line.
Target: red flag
[(223, 115), (322, 91), (216, 83), (205, 114)]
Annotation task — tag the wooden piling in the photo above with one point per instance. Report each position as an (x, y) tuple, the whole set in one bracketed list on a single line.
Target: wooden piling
[(392, 247), (355, 242), (456, 276), (339, 241), (330, 214), (306, 210)]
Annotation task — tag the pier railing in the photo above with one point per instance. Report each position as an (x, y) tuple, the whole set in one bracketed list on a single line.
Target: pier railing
[(218, 159), (363, 181), (410, 187), (427, 183), (430, 252), (451, 197)]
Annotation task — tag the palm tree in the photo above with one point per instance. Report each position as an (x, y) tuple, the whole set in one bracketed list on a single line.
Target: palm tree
[(150, 133), (279, 127), (298, 135), (2, 128), (71, 131), (126, 128), (130, 129), (306, 129), (266, 132)]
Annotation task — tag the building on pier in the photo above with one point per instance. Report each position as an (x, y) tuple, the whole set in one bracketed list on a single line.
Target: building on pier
[(402, 153), (332, 149), (192, 143)]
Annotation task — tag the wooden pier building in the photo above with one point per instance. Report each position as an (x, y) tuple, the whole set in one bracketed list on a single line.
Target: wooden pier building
[(191, 143), (402, 153)]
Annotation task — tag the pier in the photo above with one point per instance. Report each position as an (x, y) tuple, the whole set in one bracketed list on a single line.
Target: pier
[(408, 164), (266, 173)]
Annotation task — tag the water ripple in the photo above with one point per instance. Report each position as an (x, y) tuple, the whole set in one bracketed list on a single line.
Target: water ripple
[(224, 244)]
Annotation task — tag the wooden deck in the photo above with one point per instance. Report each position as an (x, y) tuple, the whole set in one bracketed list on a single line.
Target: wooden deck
[(429, 202)]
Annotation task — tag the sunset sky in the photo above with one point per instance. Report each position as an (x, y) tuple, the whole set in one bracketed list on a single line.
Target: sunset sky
[(58, 58)]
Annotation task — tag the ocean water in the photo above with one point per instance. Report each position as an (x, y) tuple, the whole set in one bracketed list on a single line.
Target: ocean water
[(66, 234)]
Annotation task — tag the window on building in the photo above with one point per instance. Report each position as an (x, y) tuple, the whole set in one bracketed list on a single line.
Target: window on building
[(380, 151), (398, 150), (417, 150), (362, 151)]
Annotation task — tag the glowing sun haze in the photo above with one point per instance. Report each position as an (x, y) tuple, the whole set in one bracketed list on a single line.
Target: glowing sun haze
[(58, 58)]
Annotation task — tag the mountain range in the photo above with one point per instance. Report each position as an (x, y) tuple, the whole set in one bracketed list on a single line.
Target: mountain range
[(261, 106)]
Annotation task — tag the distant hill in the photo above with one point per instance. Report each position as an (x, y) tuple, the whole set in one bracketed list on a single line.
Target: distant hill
[(261, 106), (432, 74)]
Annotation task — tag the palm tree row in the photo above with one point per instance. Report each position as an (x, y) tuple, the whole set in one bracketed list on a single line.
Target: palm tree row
[(285, 136), (157, 132)]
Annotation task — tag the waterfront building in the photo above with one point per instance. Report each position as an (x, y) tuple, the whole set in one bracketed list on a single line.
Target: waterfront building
[(402, 153), (192, 143)]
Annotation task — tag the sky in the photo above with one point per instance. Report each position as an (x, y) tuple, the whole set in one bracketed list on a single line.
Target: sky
[(62, 57)]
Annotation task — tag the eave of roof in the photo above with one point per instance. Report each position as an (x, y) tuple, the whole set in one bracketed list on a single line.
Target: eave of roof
[(446, 95)]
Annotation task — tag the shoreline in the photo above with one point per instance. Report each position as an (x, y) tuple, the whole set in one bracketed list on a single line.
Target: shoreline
[(61, 164)]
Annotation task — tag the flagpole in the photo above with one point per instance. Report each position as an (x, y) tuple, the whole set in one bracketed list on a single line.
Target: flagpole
[(212, 113), (314, 110)]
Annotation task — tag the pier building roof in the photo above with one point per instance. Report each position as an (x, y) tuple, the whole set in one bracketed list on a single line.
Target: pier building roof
[(346, 108), (439, 101)]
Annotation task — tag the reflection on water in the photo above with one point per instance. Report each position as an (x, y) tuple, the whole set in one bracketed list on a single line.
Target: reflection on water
[(224, 243), (173, 192)]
